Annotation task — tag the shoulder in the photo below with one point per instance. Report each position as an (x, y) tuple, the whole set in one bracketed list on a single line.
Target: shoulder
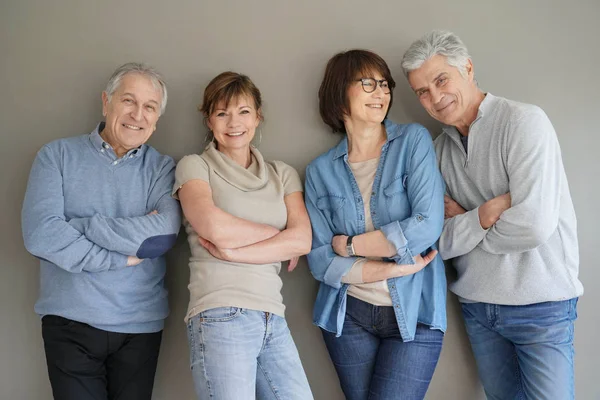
[(411, 132), (324, 160), (192, 161), (154, 157), (281, 168), (516, 111)]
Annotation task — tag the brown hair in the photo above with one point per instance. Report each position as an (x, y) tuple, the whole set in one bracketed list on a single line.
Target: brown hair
[(341, 71), (226, 86)]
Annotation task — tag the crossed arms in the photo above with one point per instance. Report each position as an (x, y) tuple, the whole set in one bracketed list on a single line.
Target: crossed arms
[(97, 243), (231, 238)]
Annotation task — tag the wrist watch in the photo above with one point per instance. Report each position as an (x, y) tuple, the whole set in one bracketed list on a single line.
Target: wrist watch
[(350, 247)]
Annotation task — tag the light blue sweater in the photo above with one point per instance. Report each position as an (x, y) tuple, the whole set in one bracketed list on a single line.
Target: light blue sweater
[(84, 212)]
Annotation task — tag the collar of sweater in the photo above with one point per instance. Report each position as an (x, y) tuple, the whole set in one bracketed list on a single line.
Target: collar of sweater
[(248, 179)]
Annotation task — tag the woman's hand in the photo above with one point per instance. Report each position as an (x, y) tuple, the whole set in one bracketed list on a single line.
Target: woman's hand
[(339, 245), (221, 254), (293, 264)]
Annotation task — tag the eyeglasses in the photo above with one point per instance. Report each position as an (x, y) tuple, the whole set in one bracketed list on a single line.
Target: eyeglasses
[(369, 85)]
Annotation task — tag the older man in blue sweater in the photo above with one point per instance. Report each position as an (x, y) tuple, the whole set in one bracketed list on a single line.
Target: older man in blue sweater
[(99, 216)]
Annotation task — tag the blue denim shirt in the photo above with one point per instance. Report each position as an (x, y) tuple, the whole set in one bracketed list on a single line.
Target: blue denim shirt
[(407, 205)]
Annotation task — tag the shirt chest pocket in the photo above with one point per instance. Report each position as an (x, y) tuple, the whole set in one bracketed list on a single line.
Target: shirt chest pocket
[(396, 198), (332, 208)]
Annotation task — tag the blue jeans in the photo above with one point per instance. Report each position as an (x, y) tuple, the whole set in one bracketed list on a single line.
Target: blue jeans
[(372, 361), (239, 354), (523, 352)]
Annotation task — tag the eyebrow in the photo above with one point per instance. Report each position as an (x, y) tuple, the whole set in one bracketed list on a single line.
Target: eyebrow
[(239, 108)]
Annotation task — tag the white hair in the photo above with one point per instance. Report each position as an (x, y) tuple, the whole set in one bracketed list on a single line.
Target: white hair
[(438, 42), (142, 69)]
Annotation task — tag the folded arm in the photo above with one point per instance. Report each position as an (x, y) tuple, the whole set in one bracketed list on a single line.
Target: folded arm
[(47, 234), (401, 240), (293, 241), (535, 174), (147, 236), (215, 225)]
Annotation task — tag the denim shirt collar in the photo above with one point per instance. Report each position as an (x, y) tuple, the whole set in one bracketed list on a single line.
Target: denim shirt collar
[(391, 130)]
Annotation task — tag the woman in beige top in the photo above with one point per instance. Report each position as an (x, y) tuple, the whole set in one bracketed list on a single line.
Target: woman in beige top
[(243, 216)]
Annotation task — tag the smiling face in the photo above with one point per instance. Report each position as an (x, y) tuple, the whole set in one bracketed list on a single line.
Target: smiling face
[(131, 114), (234, 124), (447, 95), (367, 108)]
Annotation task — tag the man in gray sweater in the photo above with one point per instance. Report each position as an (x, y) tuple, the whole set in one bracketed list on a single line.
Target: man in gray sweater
[(510, 226)]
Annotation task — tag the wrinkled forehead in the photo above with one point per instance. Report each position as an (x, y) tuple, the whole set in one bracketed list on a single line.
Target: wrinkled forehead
[(140, 85)]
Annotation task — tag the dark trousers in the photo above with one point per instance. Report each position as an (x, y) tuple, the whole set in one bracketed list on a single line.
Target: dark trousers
[(86, 363)]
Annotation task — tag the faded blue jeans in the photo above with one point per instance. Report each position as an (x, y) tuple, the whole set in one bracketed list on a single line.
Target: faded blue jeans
[(372, 361), (240, 354), (523, 352)]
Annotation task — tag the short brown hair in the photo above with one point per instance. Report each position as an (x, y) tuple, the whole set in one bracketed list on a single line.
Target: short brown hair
[(341, 71), (226, 86)]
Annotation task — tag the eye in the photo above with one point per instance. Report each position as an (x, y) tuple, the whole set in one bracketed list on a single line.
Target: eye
[(442, 81), (221, 114), (422, 93), (384, 84), (150, 108), (367, 83), (245, 112), (128, 101)]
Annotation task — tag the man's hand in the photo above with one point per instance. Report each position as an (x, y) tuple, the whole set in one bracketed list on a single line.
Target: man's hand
[(221, 254), (452, 208), (490, 211), (133, 261), (339, 245)]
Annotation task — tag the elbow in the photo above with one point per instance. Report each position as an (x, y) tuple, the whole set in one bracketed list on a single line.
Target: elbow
[(433, 228), (540, 233), (303, 243), (156, 246)]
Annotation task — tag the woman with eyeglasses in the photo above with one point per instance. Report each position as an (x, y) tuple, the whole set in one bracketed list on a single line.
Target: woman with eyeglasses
[(243, 216), (376, 205)]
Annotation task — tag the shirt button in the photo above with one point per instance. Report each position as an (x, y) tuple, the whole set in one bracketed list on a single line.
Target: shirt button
[(419, 218), (373, 194), (115, 162), (101, 150)]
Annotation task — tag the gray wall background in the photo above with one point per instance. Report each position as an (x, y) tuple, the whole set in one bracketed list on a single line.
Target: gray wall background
[(55, 57)]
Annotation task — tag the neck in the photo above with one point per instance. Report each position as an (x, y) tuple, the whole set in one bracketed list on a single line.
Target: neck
[(364, 142), (120, 151), (242, 157), (470, 114)]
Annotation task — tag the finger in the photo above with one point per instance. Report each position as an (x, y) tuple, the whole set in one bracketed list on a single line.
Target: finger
[(429, 257), (293, 264)]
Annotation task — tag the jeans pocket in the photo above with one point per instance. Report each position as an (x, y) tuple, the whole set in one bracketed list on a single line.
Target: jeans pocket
[(219, 314), (55, 321)]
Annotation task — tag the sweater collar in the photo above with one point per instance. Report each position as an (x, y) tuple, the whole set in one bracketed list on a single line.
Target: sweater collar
[(246, 179)]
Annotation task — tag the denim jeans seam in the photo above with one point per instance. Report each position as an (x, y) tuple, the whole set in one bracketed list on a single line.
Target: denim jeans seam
[(268, 378), (202, 354)]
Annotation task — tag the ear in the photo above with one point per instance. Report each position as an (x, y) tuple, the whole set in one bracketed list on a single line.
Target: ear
[(470, 70), (208, 124), (104, 103)]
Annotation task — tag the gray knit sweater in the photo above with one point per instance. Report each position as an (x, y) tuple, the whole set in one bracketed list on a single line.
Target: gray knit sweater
[(531, 254)]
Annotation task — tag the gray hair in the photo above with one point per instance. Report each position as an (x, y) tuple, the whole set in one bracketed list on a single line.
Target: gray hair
[(438, 42), (142, 69)]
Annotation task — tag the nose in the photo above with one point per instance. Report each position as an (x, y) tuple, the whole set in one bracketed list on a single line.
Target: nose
[(137, 112), (436, 95)]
